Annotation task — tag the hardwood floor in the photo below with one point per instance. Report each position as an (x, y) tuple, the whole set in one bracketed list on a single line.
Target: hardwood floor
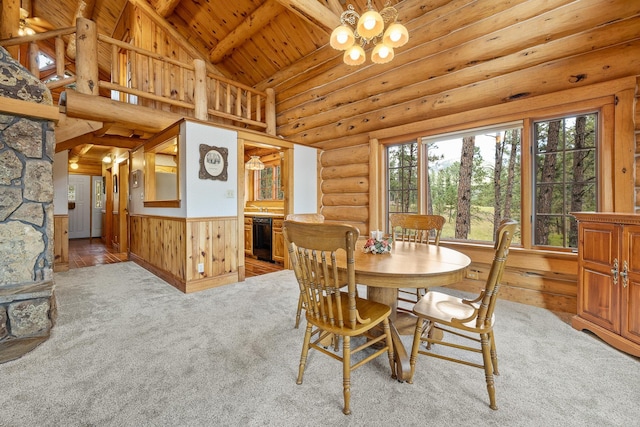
[(85, 253), (255, 267), (88, 252)]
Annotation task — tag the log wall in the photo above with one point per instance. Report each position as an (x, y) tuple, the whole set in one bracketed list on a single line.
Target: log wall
[(468, 62), (172, 248)]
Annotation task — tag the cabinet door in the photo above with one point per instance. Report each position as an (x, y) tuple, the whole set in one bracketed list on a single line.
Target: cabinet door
[(278, 241), (248, 236), (631, 287), (599, 294)]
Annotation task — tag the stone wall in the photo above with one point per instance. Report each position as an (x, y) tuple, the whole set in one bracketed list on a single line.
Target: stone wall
[(27, 301)]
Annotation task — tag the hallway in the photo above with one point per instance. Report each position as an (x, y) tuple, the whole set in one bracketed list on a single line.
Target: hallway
[(88, 252)]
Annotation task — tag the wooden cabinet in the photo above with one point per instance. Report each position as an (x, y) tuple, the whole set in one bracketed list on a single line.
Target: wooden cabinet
[(277, 240), (609, 278), (248, 236)]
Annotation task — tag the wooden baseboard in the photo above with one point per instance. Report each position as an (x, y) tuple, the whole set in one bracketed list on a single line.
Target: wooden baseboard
[(607, 336), (163, 274), (188, 286)]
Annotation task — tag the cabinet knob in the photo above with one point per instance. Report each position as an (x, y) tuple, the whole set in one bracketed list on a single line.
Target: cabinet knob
[(614, 271)]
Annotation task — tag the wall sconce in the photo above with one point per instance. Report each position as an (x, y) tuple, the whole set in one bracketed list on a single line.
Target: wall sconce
[(106, 159), (357, 31), (254, 164)]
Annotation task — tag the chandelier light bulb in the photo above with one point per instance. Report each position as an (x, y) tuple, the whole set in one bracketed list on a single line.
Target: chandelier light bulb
[(354, 55), (370, 24), (382, 54), (342, 38), (396, 35)]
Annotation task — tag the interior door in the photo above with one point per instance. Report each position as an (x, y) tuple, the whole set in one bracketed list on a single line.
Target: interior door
[(97, 206), (79, 206)]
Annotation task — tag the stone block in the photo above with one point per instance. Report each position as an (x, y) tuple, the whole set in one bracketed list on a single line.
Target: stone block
[(11, 167), (29, 318), (10, 199), (26, 137), (22, 245), (38, 181), (29, 212)]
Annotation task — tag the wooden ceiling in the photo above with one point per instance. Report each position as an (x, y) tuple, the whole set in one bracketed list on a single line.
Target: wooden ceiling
[(461, 55)]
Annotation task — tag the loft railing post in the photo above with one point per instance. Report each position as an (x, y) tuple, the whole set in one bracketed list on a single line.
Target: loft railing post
[(34, 66), (86, 57), (200, 96), (60, 57), (270, 111)]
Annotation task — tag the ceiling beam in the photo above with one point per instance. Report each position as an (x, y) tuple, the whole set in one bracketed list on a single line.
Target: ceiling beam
[(247, 28), (72, 143), (314, 12), (166, 7), (118, 142), (335, 6)]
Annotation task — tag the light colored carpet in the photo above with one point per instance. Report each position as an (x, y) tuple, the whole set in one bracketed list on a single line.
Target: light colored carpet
[(130, 350)]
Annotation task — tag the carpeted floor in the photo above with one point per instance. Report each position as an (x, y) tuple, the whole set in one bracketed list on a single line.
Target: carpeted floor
[(130, 350)]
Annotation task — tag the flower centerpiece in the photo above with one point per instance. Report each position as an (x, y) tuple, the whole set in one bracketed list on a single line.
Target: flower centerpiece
[(380, 245)]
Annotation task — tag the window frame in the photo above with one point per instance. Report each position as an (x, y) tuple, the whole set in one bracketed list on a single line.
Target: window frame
[(534, 153), (276, 179), (604, 105)]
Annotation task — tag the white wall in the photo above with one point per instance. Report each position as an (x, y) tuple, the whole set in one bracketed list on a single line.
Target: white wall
[(206, 197), (199, 197), (60, 183), (305, 179)]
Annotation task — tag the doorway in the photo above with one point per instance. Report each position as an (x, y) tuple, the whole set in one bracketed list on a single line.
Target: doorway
[(79, 206)]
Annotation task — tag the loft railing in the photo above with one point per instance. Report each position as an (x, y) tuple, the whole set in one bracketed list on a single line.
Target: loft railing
[(142, 77)]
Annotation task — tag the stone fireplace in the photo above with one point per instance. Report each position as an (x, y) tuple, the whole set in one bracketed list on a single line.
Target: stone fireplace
[(27, 300)]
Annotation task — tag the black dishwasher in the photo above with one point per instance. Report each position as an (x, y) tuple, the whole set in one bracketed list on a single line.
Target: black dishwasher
[(262, 238)]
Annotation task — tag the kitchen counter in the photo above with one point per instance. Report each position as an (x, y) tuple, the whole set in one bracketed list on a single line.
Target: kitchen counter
[(265, 214)]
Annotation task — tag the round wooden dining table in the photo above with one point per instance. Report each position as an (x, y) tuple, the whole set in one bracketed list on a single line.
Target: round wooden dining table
[(408, 265)]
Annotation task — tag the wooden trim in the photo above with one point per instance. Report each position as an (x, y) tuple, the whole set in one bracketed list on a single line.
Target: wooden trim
[(162, 204), (60, 243), (608, 217), (18, 107)]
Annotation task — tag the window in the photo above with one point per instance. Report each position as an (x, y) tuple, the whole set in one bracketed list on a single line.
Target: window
[(565, 177), (268, 183), (473, 179), (161, 169), (402, 173)]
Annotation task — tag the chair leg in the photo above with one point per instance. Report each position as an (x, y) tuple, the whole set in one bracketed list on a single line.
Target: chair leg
[(431, 331), (299, 311), (415, 347), (494, 354), (387, 332), (485, 342), (346, 373), (305, 351)]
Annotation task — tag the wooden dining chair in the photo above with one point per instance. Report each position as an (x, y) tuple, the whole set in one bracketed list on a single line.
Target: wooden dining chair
[(419, 229), (464, 319), (330, 311), (314, 218)]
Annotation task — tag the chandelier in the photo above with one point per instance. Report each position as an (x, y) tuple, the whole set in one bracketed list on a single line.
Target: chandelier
[(356, 31), (254, 164)]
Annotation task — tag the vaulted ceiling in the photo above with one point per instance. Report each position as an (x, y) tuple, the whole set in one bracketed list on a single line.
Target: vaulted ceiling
[(461, 55)]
